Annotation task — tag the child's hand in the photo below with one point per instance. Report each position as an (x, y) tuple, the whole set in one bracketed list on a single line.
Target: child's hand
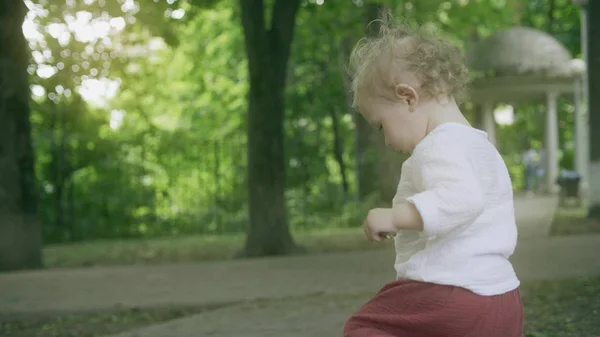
[(378, 225)]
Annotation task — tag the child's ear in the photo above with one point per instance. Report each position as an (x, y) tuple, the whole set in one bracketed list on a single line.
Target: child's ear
[(407, 94)]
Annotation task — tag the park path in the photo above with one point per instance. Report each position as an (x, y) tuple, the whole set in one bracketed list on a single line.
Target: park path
[(234, 281), (312, 293), (104, 288), (322, 311), (534, 215)]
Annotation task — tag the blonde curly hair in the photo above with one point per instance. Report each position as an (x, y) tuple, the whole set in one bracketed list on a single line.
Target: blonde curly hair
[(398, 54)]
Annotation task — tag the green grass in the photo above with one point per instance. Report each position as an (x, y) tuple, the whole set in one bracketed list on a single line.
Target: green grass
[(91, 325), (573, 221), (564, 308), (567, 221), (569, 307), (553, 308), (189, 248)]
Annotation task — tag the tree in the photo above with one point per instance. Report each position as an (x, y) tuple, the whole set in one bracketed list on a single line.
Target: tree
[(268, 51), (20, 234), (368, 140), (593, 59), (160, 160), (374, 158)]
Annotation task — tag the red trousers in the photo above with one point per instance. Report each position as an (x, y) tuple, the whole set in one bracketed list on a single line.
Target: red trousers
[(417, 309)]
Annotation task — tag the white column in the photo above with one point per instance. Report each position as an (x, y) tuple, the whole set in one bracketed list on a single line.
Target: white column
[(585, 134), (581, 138), (551, 146), (584, 49), (489, 124)]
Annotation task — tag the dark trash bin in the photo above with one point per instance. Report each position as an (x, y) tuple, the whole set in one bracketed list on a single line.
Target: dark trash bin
[(569, 185)]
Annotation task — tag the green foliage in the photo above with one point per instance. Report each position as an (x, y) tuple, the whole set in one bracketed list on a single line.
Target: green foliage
[(166, 155)]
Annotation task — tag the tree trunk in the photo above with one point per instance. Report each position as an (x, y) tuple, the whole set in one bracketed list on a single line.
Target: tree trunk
[(517, 13), (77, 232), (593, 48), (338, 146), (478, 116), (59, 187), (345, 49), (338, 149), (551, 10), (20, 234), (374, 158), (268, 52), (369, 142), (390, 168)]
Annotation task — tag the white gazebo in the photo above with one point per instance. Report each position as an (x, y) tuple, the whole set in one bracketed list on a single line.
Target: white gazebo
[(526, 65)]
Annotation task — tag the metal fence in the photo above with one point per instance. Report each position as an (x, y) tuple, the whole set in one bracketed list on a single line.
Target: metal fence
[(201, 194)]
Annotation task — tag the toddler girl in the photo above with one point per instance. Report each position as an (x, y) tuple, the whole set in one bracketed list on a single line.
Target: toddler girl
[(453, 216)]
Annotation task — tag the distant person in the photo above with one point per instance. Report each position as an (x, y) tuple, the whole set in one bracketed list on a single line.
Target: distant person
[(541, 170), (531, 162), (452, 218)]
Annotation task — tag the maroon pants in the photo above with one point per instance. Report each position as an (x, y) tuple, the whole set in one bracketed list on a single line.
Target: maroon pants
[(417, 309)]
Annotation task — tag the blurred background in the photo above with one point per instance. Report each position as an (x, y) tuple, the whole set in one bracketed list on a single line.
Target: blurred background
[(177, 131), (139, 111)]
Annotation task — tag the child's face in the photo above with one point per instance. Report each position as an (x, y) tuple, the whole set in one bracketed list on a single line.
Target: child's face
[(401, 128)]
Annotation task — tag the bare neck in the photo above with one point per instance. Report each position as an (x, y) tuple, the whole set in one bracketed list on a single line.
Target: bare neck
[(443, 111)]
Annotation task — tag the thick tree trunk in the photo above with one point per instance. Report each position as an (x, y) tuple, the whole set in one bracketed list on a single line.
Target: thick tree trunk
[(369, 142), (20, 235), (359, 143), (390, 168), (268, 53), (338, 146), (551, 10), (338, 149), (374, 158), (593, 48)]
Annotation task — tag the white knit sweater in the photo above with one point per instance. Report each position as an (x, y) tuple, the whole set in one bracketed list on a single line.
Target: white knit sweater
[(461, 187)]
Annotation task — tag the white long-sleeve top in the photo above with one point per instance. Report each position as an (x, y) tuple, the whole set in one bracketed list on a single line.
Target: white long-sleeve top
[(460, 185)]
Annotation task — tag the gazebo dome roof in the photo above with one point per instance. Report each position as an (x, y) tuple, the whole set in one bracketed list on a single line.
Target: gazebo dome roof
[(520, 51)]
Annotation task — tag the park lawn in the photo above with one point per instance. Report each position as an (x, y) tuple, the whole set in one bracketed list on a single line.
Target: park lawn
[(573, 221), (567, 221), (91, 325), (188, 248), (560, 308), (553, 308)]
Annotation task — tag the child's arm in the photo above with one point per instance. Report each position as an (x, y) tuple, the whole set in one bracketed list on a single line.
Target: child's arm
[(405, 216), (452, 195)]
